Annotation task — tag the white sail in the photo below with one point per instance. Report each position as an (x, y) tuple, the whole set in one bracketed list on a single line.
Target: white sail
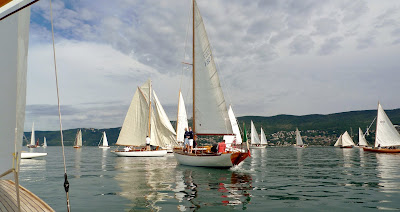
[(44, 142), (361, 138), (181, 122), (346, 140), (163, 134), (386, 134), (135, 127), (254, 135), (14, 40), (299, 141), (105, 141), (78, 138), (235, 126), (33, 135), (263, 138), (339, 141), (211, 115)]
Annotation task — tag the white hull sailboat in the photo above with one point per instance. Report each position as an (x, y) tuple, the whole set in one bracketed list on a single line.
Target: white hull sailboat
[(105, 141), (78, 139), (141, 121), (44, 142), (210, 115), (387, 139), (32, 144), (299, 141), (30, 155), (344, 141), (14, 42), (255, 140)]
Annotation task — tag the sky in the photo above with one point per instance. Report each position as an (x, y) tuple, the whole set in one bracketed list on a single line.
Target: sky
[(273, 57)]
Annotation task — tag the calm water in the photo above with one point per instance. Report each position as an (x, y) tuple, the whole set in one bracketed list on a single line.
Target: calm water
[(286, 179)]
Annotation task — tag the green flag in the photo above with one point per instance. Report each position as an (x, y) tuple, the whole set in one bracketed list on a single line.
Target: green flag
[(244, 133)]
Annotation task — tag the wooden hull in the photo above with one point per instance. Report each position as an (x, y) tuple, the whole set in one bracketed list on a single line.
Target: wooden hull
[(369, 149), (257, 147), (104, 147), (77, 147), (346, 147), (30, 155), (223, 161), (138, 153)]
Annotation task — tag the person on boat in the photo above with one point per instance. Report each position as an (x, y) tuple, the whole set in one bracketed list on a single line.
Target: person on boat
[(148, 143), (221, 147), (191, 136), (186, 143)]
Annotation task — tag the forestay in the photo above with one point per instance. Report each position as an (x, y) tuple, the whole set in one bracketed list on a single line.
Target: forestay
[(254, 135), (386, 134), (182, 121), (361, 138), (14, 40), (263, 138), (211, 115)]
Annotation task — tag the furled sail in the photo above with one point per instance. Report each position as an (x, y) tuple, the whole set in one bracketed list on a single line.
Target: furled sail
[(33, 135), (181, 122), (346, 140), (105, 141), (135, 127), (386, 134), (14, 40), (211, 115), (254, 135), (163, 134), (361, 138), (263, 138), (299, 141)]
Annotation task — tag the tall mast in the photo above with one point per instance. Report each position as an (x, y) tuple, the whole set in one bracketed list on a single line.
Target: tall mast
[(193, 67), (150, 110), (377, 119), (177, 114)]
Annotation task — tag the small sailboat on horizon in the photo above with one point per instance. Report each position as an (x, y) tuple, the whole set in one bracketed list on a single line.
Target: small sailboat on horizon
[(78, 139), (44, 142), (362, 142), (254, 138), (299, 140), (387, 139), (33, 143), (105, 141), (344, 141)]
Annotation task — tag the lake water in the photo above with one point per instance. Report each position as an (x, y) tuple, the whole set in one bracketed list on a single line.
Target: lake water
[(273, 179)]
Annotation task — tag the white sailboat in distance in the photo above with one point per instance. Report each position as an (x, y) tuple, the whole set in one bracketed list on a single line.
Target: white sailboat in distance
[(78, 139), (105, 141), (299, 141), (32, 144), (362, 142), (264, 141), (387, 139), (210, 115), (345, 141), (255, 140)]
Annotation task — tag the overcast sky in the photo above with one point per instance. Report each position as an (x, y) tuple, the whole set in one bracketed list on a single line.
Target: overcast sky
[(273, 56)]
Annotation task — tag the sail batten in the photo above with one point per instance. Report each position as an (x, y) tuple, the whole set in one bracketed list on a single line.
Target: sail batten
[(386, 134), (210, 112)]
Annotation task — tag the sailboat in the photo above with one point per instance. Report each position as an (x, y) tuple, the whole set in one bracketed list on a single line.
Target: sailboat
[(299, 141), (264, 141), (387, 139), (210, 115), (235, 139), (362, 142), (78, 139), (32, 144), (141, 121), (344, 141), (255, 140), (105, 142), (14, 42), (44, 142), (181, 121)]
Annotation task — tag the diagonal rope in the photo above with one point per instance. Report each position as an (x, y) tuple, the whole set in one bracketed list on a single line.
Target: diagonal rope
[(66, 183)]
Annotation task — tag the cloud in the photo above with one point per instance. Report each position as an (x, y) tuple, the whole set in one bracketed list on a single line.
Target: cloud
[(301, 44), (330, 45)]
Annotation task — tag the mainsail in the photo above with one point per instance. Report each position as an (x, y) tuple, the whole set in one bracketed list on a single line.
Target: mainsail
[(33, 135), (14, 40), (254, 135), (105, 141), (299, 141), (346, 140), (263, 138), (210, 112), (78, 138), (361, 138), (44, 142), (386, 134), (181, 122)]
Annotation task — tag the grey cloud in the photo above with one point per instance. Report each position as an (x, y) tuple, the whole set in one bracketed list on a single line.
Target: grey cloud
[(50, 110), (330, 45), (366, 41), (326, 26), (353, 10), (301, 45)]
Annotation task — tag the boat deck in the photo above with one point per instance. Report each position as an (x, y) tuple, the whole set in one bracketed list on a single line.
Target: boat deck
[(29, 201)]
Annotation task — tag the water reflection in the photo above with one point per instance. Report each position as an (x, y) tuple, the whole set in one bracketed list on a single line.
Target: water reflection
[(36, 169), (389, 173), (77, 165)]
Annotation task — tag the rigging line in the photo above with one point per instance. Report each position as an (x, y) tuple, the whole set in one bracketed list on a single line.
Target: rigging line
[(15, 11), (66, 183)]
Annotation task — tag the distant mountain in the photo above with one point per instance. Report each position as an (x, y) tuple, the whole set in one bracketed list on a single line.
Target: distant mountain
[(332, 124)]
